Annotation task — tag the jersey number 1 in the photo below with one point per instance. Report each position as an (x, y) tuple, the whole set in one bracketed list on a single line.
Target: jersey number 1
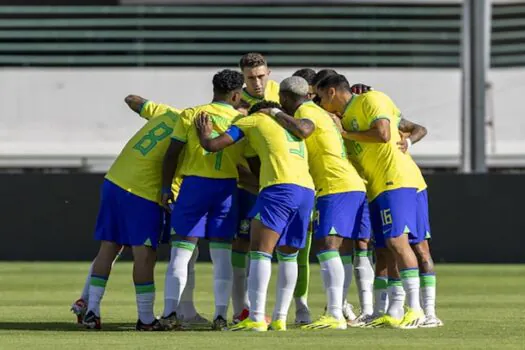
[(150, 140), (218, 155)]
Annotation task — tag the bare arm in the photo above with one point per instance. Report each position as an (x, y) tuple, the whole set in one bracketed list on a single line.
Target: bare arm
[(301, 128), (416, 131), (204, 129), (169, 166), (379, 132), (135, 103)]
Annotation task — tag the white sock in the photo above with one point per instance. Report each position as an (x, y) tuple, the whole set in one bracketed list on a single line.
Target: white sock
[(97, 287), (186, 307), (349, 270), (333, 273), (239, 294), (380, 295), (258, 280), (176, 275), (364, 273), (410, 278), (286, 282), (85, 291), (396, 297), (221, 257), (145, 295), (428, 293)]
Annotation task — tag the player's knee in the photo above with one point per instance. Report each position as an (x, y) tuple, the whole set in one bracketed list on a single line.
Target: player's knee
[(241, 244), (381, 261), (362, 244), (287, 249), (347, 247), (398, 245), (329, 243), (424, 258)]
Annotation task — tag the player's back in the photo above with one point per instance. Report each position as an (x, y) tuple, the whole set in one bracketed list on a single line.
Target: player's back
[(284, 158), (271, 93), (327, 156), (197, 161)]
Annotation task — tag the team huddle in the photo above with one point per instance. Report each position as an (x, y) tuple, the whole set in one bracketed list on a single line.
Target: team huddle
[(271, 168)]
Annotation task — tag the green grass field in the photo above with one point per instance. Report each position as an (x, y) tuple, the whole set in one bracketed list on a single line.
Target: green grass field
[(482, 306)]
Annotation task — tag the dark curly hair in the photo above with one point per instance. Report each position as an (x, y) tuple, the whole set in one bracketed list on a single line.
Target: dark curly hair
[(226, 81), (252, 60), (263, 104), (337, 81), (307, 74), (323, 73)]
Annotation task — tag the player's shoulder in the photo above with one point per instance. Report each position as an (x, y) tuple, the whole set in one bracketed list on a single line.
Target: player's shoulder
[(273, 85), (374, 96)]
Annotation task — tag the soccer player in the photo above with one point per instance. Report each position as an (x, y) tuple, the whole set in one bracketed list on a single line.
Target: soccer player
[(338, 187), (130, 215), (205, 207), (281, 213), (370, 121)]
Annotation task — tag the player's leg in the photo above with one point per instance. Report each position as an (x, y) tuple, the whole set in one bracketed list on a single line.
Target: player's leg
[(302, 311), (381, 282), (240, 303), (347, 257)]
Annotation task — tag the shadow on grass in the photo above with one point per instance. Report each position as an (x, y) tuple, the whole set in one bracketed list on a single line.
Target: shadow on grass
[(73, 327)]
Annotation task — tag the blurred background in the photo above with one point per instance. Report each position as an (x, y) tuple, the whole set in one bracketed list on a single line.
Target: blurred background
[(456, 67)]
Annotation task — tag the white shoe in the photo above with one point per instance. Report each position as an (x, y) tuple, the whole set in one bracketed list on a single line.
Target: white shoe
[(431, 322), (302, 316), (361, 320), (348, 311)]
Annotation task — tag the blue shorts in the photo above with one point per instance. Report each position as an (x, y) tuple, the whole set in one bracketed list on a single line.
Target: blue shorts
[(392, 214), (423, 221), (205, 208), (339, 214), (285, 209), (245, 200), (127, 219), (365, 227)]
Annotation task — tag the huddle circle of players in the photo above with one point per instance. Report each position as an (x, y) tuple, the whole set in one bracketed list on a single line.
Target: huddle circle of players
[(264, 168)]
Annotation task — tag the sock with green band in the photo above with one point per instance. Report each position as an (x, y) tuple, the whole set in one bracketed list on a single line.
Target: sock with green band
[(239, 295), (186, 308), (176, 275), (380, 295), (303, 277), (428, 293), (221, 257), (285, 284), (364, 276), (258, 280), (396, 298), (145, 294), (410, 278), (333, 274), (97, 287), (348, 266)]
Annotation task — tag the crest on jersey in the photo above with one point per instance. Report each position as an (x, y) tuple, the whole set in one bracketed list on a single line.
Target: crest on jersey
[(354, 125), (245, 226)]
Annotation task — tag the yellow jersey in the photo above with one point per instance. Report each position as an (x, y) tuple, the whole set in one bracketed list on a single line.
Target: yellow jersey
[(198, 161), (138, 167), (329, 165), (382, 165), (284, 158), (271, 93)]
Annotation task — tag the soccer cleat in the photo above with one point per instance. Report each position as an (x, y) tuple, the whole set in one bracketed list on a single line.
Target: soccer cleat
[(383, 321), (326, 322), (195, 321), (412, 319), (241, 317), (249, 325), (219, 324), (155, 326), (431, 322), (170, 322), (348, 311), (302, 316), (277, 325), (79, 308), (92, 321), (361, 320)]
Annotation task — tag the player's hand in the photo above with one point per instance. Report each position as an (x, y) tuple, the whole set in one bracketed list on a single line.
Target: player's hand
[(242, 110), (166, 200), (360, 88), (403, 144), (203, 124), (267, 111), (337, 121)]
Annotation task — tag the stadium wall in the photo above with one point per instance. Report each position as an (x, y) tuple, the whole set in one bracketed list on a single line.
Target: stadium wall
[(474, 218)]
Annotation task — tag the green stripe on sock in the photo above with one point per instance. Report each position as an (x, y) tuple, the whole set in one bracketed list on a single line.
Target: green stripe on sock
[(330, 254), (394, 283), (380, 283), (98, 282), (259, 256), (286, 257), (220, 245), (183, 245), (369, 252), (145, 288), (361, 253), (239, 260), (347, 259), (409, 273), (427, 280)]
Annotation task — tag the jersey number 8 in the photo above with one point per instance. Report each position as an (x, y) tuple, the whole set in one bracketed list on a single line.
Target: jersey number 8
[(150, 140)]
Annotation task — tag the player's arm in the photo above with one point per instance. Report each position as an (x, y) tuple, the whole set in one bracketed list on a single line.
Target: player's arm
[(301, 128), (410, 133), (379, 131), (135, 103), (169, 167), (204, 127)]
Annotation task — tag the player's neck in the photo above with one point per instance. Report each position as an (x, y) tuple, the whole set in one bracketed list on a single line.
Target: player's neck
[(221, 101), (253, 94), (347, 101)]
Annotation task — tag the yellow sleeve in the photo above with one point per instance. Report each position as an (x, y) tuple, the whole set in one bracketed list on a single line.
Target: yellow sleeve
[(151, 109), (245, 124), (306, 113), (249, 152), (182, 125), (377, 107)]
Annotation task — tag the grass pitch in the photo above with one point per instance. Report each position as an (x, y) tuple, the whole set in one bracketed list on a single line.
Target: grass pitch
[(483, 307)]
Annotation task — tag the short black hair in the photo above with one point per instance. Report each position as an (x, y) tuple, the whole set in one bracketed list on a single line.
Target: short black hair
[(323, 73), (226, 81), (252, 60), (337, 81), (263, 104), (307, 74)]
